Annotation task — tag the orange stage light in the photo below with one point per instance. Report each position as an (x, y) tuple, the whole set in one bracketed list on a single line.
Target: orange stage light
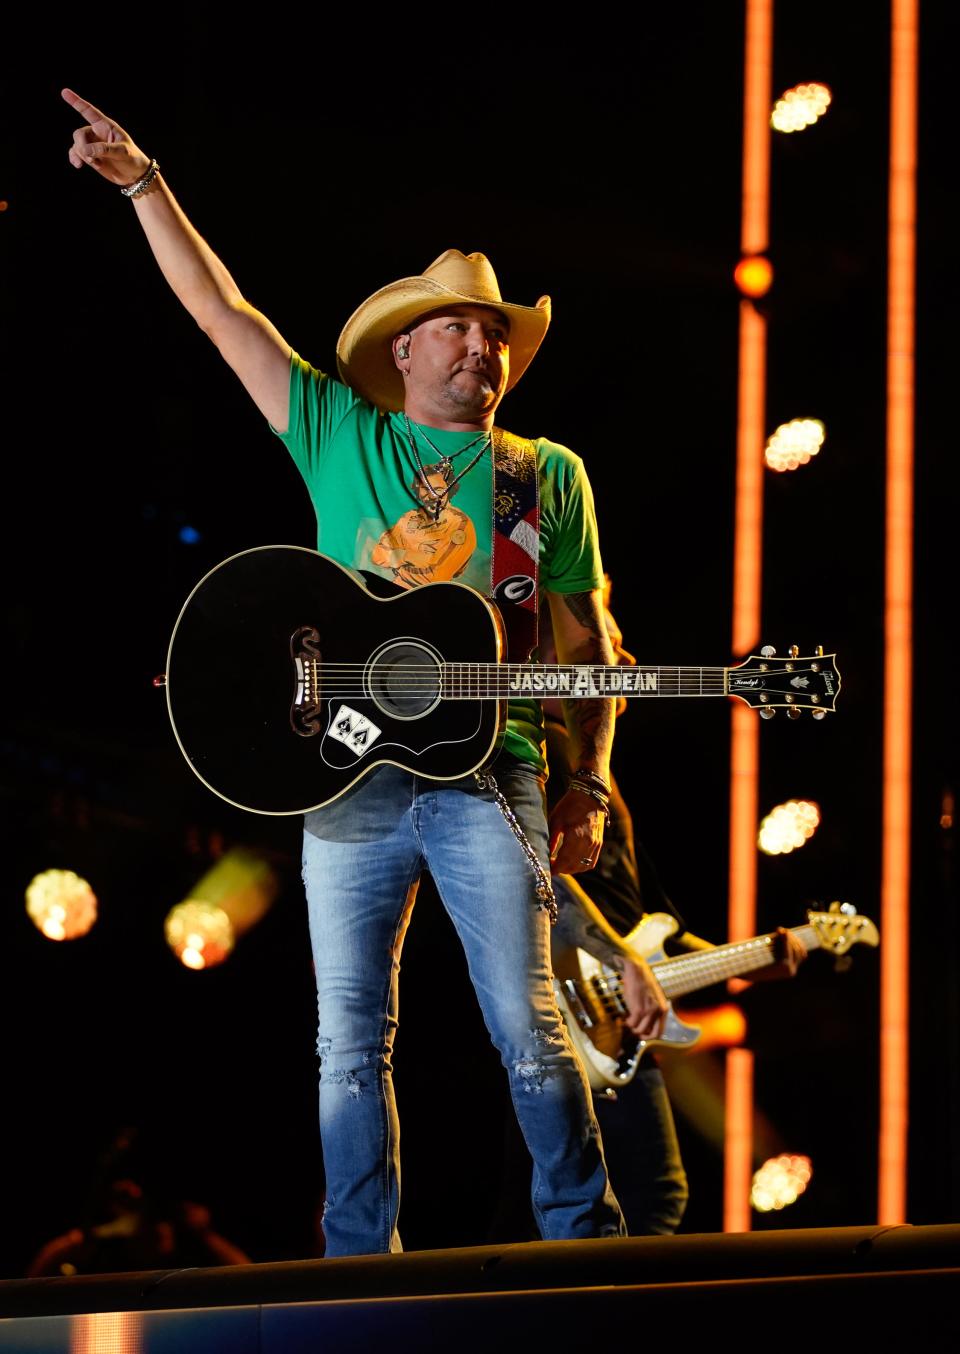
[(754, 275), (748, 544), (199, 933), (898, 619), (61, 904), (230, 898)]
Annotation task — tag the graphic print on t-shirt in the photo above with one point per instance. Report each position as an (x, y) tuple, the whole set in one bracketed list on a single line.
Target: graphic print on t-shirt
[(422, 547)]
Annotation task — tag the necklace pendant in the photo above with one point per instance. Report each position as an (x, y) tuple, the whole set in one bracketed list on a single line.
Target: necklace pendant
[(446, 466)]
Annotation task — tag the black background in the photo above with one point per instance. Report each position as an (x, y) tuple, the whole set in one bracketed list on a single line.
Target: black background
[(323, 157)]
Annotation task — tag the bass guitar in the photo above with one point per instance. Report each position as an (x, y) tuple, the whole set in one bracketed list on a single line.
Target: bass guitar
[(288, 679), (590, 994)]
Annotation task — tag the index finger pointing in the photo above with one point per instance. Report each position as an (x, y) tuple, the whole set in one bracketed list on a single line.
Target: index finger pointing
[(86, 110)]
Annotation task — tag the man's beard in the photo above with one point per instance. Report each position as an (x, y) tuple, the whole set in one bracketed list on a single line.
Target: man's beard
[(471, 398)]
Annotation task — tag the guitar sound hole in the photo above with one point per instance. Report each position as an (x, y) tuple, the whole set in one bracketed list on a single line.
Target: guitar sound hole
[(404, 680)]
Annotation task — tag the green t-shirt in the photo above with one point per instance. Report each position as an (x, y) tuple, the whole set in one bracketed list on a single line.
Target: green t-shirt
[(362, 477)]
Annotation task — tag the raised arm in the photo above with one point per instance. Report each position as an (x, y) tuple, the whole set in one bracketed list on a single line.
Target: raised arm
[(576, 823), (246, 338)]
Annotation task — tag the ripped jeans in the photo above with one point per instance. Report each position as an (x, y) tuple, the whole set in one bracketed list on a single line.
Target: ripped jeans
[(362, 859)]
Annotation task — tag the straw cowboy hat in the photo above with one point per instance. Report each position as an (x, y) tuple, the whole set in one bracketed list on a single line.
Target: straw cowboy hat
[(364, 351)]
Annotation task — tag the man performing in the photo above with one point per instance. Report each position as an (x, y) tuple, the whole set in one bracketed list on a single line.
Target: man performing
[(596, 912), (425, 362)]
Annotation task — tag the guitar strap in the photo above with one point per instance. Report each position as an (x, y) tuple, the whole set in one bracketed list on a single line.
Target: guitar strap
[(515, 541), (514, 564)]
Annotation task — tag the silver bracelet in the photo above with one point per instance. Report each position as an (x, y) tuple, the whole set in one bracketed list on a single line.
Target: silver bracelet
[(142, 184)]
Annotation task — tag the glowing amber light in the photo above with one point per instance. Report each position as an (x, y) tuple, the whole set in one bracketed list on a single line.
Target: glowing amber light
[(800, 107), (780, 1181), (788, 827), (199, 933), (107, 1333), (754, 275), (61, 904), (720, 1027), (794, 443)]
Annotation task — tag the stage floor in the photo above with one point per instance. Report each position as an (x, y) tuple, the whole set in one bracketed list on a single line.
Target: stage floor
[(825, 1287)]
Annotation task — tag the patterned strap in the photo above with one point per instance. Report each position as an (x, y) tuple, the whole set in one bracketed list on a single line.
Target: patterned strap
[(516, 540)]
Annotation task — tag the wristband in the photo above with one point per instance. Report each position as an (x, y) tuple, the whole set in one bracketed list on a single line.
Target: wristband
[(143, 183)]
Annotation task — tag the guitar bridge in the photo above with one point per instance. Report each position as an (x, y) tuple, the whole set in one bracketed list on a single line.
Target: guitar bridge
[(305, 708)]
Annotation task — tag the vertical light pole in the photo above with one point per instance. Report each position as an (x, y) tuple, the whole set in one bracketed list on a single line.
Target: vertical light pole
[(898, 618), (747, 566)]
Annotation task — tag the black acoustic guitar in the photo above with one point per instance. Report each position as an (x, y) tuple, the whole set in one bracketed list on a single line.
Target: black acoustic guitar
[(288, 679)]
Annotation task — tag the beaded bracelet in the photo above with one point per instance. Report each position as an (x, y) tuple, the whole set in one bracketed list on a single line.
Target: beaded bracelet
[(585, 789), (584, 773), (143, 183)]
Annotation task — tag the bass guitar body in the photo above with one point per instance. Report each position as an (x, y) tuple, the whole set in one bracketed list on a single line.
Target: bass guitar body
[(288, 680)]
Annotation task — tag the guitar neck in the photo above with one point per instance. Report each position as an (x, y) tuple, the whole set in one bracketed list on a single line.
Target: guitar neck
[(578, 681), (690, 972)]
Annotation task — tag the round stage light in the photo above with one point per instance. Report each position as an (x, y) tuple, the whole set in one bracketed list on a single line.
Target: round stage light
[(794, 443), (780, 1182), (788, 827), (199, 933), (800, 107), (61, 904), (754, 275)]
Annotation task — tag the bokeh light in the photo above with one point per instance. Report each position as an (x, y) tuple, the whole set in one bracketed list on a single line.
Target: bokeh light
[(780, 1181), (199, 933), (794, 443), (788, 827), (800, 107), (754, 275), (61, 904), (234, 894)]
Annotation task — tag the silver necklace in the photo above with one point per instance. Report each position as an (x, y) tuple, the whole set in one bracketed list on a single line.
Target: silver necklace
[(444, 465)]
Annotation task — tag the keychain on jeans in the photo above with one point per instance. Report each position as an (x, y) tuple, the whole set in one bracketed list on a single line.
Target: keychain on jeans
[(546, 898)]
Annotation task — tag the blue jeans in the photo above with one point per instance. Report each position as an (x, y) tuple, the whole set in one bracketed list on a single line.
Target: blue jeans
[(362, 858), (643, 1154)]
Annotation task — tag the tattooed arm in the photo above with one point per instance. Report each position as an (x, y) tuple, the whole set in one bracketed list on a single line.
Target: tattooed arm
[(576, 823)]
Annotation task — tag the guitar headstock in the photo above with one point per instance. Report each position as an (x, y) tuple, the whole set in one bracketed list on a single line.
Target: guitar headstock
[(841, 928), (792, 683)]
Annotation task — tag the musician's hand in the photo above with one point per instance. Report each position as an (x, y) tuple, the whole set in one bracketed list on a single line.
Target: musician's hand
[(576, 833), (646, 1004), (104, 145), (790, 952)]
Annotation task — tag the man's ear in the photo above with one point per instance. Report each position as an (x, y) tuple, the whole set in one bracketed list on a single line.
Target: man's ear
[(401, 349)]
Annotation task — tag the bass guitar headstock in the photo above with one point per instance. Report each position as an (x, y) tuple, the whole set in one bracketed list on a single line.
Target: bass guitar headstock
[(793, 683), (839, 929)]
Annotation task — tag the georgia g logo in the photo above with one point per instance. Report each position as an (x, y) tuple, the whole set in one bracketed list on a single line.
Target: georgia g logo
[(517, 588)]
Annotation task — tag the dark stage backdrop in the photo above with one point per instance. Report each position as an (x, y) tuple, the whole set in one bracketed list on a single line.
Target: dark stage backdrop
[(601, 165)]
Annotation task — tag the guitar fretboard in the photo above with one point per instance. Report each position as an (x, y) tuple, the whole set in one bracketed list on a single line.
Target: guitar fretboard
[(690, 972), (573, 681)]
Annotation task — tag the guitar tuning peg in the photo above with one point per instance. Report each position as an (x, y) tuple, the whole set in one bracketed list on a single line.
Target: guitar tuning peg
[(793, 712), (768, 651), (819, 650), (794, 650), (767, 713), (819, 714)]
